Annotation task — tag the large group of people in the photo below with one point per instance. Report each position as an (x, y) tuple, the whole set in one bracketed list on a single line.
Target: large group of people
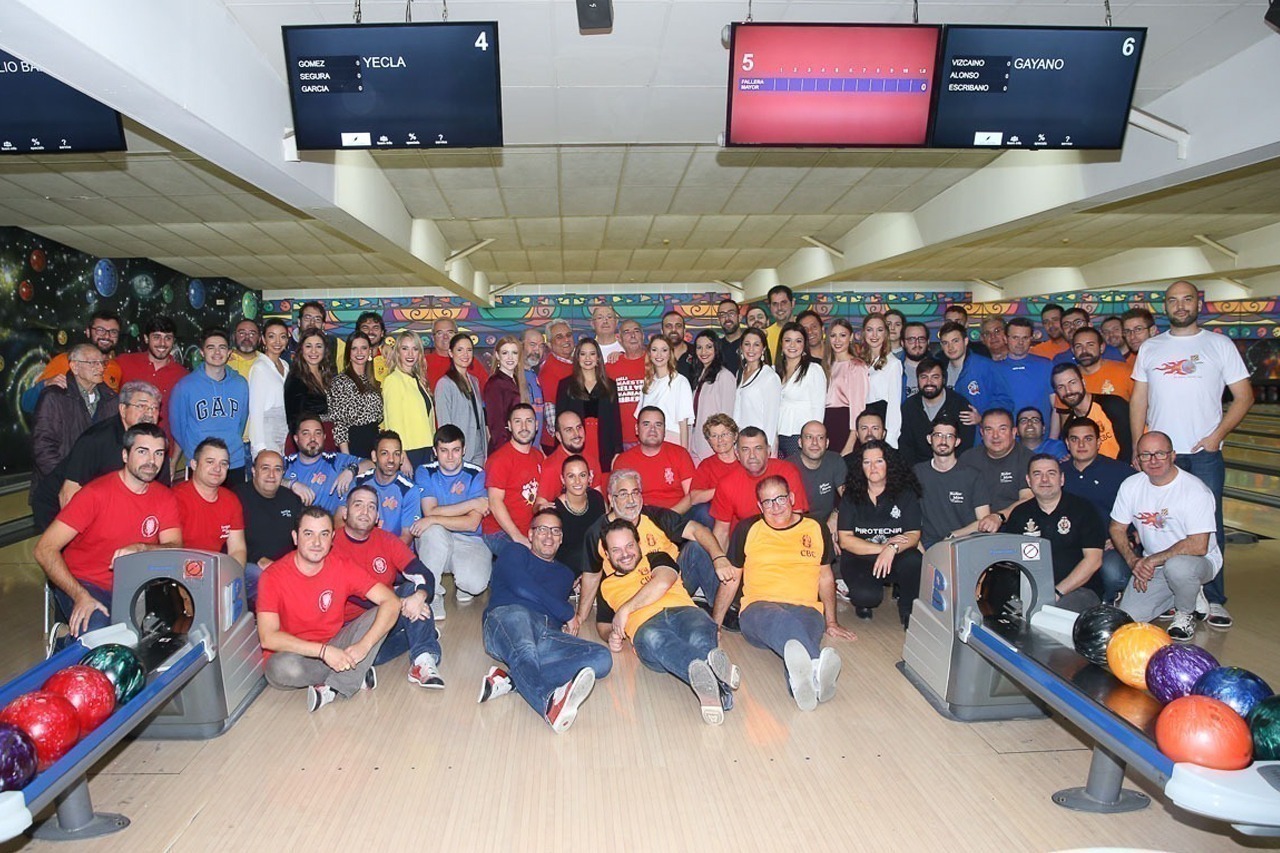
[(743, 478)]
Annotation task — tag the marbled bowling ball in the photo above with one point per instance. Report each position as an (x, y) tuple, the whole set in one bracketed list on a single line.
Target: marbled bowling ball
[(1264, 726), (1204, 731), (121, 665), (1239, 688), (50, 722), (1130, 649), (17, 758), (1092, 631), (88, 690), (1174, 669)]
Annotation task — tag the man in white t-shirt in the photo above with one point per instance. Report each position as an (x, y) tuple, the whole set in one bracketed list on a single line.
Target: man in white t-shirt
[(1173, 514), (1178, 379), (604, 325)]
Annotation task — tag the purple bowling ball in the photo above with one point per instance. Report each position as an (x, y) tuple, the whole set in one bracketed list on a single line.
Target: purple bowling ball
[(1175, 669), (17, 758), (1237, 687)]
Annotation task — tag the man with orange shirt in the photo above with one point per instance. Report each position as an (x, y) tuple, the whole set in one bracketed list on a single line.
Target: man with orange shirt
[(1109, 412), (212, 518), (1101, 376), (735, 498), (666, 468), (789, 591), (1054, 342)]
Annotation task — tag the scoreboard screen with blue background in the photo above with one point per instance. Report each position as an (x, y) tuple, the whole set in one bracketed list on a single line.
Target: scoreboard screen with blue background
[(43, 115), (428, 85), (1036, 87)]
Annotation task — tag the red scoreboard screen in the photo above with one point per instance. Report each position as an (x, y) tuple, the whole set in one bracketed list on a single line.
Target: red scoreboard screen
[(831, 85)]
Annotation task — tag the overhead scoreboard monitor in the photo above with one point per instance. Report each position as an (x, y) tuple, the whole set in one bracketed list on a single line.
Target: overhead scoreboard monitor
[(43, 115), (1036, 87), (427, 85), (831, 85)]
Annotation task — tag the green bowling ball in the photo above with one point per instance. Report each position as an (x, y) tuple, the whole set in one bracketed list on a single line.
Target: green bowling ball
[(1264, 724), (119, 664)]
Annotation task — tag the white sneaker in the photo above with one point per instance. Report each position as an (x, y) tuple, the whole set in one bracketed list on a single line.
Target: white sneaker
[(437, 607), (464, 597), (725, 670), (1219, 617), (57, 631), (1183, 627), (804, 688), (496, 683), (562, 710), (842, 587), (425, 674), (825, 673), (1202, 606), (319, 695)]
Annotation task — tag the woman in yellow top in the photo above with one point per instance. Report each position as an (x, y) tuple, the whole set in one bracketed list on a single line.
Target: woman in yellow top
[(407, 406), (667, 630)]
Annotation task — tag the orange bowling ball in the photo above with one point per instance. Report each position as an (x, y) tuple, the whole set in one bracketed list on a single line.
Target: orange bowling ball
[(1204, 731), (1130, 649)]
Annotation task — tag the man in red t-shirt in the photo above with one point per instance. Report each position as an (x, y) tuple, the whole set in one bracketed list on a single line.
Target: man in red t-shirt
[(212, 518), (572, 438), (155, 364), (300, 617), (557, 367), (439, 361), (626, 369), (118, 514), (387, 560), (511, 475), (666, 469), (735, 498)]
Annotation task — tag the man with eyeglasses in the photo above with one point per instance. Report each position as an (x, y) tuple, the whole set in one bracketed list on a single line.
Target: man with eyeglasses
[(729, 317), (993, 336), (953, 496), (312, 316), (1178, 381), (1136, 324), (1026, 374), (1109, 412), (96, 452), (531, 628), (1031, 435), (155, 365), (64, 413), (1173, 512), (1097, 479), (915, 348), (103, 332), (212, 402)]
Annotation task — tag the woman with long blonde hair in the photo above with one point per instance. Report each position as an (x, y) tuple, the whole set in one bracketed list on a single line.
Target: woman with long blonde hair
[(665, 388), (407, 404), (886, 375)]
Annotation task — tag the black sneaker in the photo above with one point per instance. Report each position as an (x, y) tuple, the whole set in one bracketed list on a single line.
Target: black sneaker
[(731, 621), (863, 612), (370, 679)]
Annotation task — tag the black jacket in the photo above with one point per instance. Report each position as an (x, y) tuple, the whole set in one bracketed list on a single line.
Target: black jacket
[(913, 443)]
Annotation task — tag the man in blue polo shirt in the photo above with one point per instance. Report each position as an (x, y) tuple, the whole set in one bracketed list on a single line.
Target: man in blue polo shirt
[(318, 477), (973, 377), (1026, 374), (1097, 479), (399, 500)]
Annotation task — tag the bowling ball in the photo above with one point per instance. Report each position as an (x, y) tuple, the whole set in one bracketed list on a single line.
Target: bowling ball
[(49, 720), (1093, 629), (17, 758), (121, 665), (1173, 670), (1264, 725), (1131, 647), (89, 691), (1239, 688), (1204, 731)]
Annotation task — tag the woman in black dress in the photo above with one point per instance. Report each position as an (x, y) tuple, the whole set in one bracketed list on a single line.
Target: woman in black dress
[(579, 507), (591, 393), (306, 390)]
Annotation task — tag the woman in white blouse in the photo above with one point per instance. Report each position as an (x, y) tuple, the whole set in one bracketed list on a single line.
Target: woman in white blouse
[(759, 388), (886, 375), (713, 391), (665, 388), (804, 388), (268, 426)]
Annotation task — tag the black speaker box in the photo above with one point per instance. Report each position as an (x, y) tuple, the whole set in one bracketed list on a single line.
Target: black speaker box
[(595, 16)]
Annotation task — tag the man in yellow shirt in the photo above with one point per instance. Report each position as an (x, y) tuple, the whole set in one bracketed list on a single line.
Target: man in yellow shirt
[(244, 350), (789, 591), (782, 306), (667, 630)]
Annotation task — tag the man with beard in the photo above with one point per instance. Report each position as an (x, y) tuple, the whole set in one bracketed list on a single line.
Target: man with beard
[(557, 367), (1031, 435), (1002, 464), (399, 499), (729, 316), (212, 518), (1051, 323), (318, 477), (1178, 380), (511, 476), (1073, 320), (953, 497), (681, 353), (1109, 412), (1113, 334), (113, 516), (571, 438), (156, 365), (604, 328), (245, 339), (931, 405), (1137, 324), (370, 323), (915, 346), (1026, 374), (103, 332), (1101, 376), (757, 318), (532, 347), (782, 304), (627, 373)]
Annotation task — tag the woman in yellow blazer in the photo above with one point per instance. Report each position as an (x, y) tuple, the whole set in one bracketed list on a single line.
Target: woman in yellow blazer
[(407, 406)]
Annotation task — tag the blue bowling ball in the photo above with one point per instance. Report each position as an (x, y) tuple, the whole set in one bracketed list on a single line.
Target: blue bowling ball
[(1237, 687), (105, 278)]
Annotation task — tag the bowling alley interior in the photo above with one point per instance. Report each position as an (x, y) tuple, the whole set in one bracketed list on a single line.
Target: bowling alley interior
[(502, 168)]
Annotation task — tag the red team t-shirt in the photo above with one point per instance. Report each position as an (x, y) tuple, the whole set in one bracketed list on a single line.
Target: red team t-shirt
[(205, 525), (628, 375), (107, 515), (554, 371), (517, 474), (662, 475), (735, 497), (137, 366), (382, 557), (310, 608), (710, 472), (549, 485)]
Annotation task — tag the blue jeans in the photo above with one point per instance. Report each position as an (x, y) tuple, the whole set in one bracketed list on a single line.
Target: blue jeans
[(1114, 574), (252, 574), (65, 605), (697, 571), (769, 625), (538, 655), (414, 637), (672, 639), (701, 513), (1211, 470)]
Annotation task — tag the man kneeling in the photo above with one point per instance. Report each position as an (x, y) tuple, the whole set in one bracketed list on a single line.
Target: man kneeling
[(668, 631), (300, 599), (531, 627)]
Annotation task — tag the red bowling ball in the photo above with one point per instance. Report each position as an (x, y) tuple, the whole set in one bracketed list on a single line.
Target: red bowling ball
[(89, 691), (49, 720), (1204, 731)]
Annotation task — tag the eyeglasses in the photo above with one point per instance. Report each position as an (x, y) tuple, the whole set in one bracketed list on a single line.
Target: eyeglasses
[(915, 339), (627, 495), (105, 330), (942, 436), (1032, 419), (1138, 330), (145, 407), (95, 362), (548, 530), (1148, 455), (778, 502)]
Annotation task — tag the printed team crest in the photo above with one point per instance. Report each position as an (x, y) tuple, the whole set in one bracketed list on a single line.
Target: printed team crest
[(669, 475), (326, 600), (224, 533), (651, 540), (1064, 526), (973, 388), (806, 540), (150, 526), (457, 488), (380, 565), (390, 502), (1153, 519), (1181, 367), (529, 491), (1108, 388), (1032, 529), (318, 478), (895, 512)]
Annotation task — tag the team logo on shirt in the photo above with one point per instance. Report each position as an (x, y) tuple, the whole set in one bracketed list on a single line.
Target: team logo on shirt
[(224, 533), (1032, 529), (380, 565), (1180, 367), (955, 497), (457, 488), (895, 512), (1006, 477), (973, 388), (669, 475), (1153, 519), (529, 491), (326, 600), (319, 477), (651, 540), (286, 513), (806, 541), (390, 502), (1108, 388), (1064, 526), (150, 526)]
